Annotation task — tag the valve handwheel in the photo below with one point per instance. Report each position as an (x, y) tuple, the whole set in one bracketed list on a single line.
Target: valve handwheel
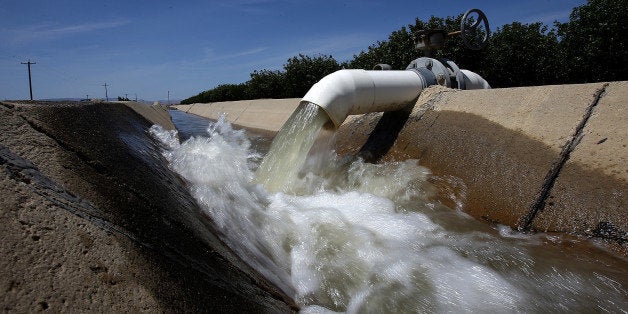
[(468, 30)]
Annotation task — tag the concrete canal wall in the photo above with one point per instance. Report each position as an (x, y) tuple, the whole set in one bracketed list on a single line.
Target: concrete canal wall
[(547, 158), (92, 219), (260, 114)]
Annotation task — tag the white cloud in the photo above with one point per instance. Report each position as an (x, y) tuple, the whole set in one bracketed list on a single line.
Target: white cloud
[(250, 51), (211, 56), (48, 31), (548, 18)]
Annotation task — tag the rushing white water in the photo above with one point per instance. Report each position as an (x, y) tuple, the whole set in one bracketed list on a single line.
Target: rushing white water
[(358, 237)]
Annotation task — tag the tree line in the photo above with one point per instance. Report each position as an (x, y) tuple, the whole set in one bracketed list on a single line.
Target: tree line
[(590, 47)]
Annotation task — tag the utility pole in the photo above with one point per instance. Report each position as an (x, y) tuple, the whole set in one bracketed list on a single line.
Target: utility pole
[(168, 103), (106, 95), (135, 97), (30, 82)]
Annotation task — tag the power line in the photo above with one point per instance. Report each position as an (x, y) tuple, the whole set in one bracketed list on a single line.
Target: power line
[(59, 73), (30, 82), (106, 95)]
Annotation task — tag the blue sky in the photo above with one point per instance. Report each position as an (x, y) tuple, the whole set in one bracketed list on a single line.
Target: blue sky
[(147, 48)]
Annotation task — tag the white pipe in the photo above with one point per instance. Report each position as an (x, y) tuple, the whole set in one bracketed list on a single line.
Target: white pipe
[(473, 80), (347, 92)]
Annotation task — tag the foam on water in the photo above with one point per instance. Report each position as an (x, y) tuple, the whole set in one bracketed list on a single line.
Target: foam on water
[(358, 237)]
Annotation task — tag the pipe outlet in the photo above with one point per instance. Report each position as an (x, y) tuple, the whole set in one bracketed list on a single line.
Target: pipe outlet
[(347, 92)]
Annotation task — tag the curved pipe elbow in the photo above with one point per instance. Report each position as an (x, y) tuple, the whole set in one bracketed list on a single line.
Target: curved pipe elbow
[(473, 80), (347, 92)]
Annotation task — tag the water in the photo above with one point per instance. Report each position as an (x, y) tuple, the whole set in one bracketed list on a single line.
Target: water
[(350, 236), (279, 169), (189, 125)]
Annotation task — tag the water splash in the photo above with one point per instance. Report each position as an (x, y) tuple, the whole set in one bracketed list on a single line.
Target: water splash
[(360, 237)]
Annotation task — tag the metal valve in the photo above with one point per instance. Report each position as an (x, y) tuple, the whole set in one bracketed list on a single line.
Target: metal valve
[(473, 35)]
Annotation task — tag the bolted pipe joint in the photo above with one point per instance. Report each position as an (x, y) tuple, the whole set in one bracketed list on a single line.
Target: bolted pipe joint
[(446, 73)]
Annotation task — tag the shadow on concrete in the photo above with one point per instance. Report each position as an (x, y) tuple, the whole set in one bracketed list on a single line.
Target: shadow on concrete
[(384, 135), (502, 169), (107, 162)]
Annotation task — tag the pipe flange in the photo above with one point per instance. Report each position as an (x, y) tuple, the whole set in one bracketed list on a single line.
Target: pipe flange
[(437, 70)]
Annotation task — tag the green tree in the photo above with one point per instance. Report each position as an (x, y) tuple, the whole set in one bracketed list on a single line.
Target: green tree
[(593, 42), (267, 84), (228, 92), (590, 47), (522, 55), (397, 51), (225, 92), (302, 71), (367, 59)]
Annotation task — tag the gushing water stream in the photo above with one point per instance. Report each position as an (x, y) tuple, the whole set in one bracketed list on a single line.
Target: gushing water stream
[(339, 234), (287, 154)]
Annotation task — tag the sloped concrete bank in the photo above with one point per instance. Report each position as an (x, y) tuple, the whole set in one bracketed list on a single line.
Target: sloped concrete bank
[(546, 158), (92, 220), (261, 115)]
